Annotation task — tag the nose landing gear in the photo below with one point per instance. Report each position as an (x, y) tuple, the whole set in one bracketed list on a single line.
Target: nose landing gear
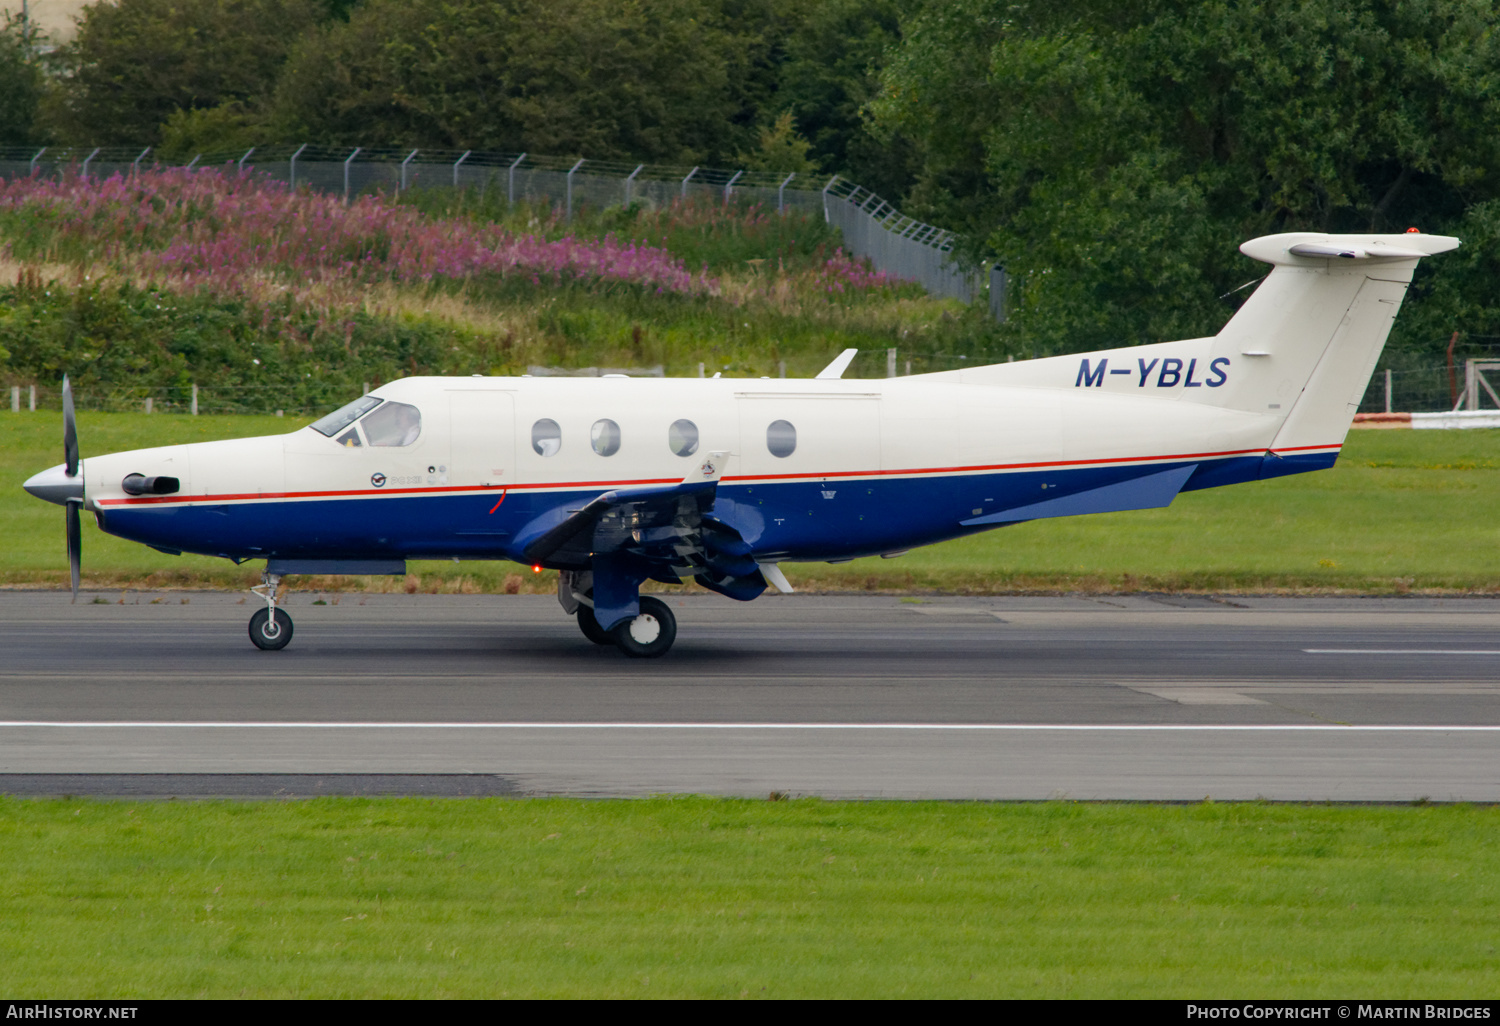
[(270, 628)]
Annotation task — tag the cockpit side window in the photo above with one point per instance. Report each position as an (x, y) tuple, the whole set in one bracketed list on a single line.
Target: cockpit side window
[(393, 424), (350, 439), (345, 415)]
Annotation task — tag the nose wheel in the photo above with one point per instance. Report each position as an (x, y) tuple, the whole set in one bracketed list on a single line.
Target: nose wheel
[(271, 627)]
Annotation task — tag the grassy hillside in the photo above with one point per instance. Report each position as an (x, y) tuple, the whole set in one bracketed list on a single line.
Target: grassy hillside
[(271, 299)]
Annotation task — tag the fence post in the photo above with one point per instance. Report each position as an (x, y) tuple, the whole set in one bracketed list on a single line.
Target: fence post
[(689, 178), (195, 400), (630, 183), (1471, 386), (241, 166), (405, 162), (90, 157), (457, 162), (1387, 390), (135, 165), (890, 363), (575, 167), (15, 398), (835, 178), (729, 185), (37, 158), (294, 163), (346, 172), (33, 399), (781, 368), (192, 162), (781, 199), (148, 404), (510, 181)]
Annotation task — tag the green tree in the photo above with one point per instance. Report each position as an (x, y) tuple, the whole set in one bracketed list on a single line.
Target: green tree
[(136, 62), (1112, 158), (663, 80), (831, 72), (21, 84)]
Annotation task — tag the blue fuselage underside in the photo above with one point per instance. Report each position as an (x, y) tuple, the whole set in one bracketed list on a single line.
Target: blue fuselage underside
[(807, 519)]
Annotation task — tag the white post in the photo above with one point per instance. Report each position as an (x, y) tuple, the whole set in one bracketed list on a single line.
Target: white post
[(630, 183), (135, 165), (15, 398), (781, 368), (689, 178), (193, 161), (148, 404), (90, 157), (890, 363), (364, 388), (346, 172), (510, 181), (572, 169), (729, 185), (456, 164), (241, 165), (825, 195), (781, 194), (195, 400), (37, 158), (280, 412), (700, 370), (405, 162), (1387, 390), (294, 163), (33, 399)]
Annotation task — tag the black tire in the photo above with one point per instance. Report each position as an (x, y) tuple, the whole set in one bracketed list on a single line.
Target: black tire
[(279, 634), (591, 629), (650, 634)]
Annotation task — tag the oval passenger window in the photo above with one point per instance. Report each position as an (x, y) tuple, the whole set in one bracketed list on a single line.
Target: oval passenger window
[(546, 437), (682, 437), (781, 438), (604, 436)]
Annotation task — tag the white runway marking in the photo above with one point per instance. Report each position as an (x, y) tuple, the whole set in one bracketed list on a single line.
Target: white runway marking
[(1071, 727), (1403, 651)]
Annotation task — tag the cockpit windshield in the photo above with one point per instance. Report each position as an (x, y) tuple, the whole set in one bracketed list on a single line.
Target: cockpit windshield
[(345, 415)]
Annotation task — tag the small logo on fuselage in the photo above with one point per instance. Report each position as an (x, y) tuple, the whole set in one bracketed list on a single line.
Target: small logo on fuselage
[(378, 480)]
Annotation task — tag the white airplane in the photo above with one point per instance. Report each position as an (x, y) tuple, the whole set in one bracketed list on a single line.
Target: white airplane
[(616, 481)]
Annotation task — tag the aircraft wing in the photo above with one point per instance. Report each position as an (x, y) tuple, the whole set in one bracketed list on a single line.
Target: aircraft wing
[(667, 532)]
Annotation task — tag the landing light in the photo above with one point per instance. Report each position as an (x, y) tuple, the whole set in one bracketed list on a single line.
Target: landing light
[(536, 569)]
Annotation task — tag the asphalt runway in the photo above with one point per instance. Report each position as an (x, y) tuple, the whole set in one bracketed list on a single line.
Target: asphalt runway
[(1140, 697)]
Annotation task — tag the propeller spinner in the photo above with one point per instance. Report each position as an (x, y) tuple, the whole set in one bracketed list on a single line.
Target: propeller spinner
[(63, 485)]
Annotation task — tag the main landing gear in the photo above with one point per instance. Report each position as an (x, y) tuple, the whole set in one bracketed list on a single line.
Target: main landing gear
[(649, 634), (271, 627)]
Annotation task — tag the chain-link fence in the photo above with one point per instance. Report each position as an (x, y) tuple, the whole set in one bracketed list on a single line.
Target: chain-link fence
[(873, 229)]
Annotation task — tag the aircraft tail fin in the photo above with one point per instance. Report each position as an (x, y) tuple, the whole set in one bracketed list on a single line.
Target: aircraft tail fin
[(1306, 342)]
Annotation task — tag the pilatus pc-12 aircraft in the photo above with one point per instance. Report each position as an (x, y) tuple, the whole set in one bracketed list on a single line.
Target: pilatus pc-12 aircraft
[(615, 481)]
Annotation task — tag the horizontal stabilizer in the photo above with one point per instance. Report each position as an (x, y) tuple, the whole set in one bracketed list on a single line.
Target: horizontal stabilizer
[(1149, 492)]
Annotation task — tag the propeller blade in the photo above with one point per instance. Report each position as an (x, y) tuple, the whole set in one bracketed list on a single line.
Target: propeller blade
[(75, 546), (70, 430)]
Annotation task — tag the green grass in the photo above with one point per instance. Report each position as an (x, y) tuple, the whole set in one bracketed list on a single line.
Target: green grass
[(731, 898), (1403, 511)]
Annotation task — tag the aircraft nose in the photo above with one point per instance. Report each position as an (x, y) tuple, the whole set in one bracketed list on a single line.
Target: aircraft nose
[(54, 485)]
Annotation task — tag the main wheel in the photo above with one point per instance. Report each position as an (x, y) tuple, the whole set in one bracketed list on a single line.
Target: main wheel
[(650, 634), (591, 629), (270, 634)]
